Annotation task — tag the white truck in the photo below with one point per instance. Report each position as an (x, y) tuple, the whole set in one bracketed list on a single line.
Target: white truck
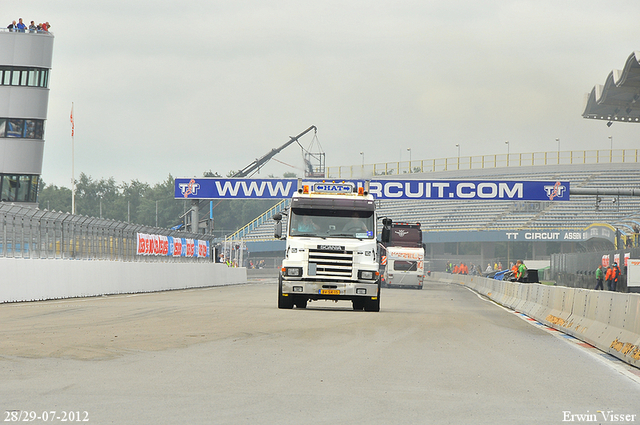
[(402, 255), (331, 249)]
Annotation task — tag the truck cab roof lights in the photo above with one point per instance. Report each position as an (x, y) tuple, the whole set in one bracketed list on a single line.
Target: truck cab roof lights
[(333, 188)]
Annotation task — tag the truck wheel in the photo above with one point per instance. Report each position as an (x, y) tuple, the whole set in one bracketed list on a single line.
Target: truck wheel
[(283, 302)]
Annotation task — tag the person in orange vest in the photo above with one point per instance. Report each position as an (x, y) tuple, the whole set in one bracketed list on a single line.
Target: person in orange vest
[(616, 275), (464, 269), (609, 277), (456, 269), (514, 269)]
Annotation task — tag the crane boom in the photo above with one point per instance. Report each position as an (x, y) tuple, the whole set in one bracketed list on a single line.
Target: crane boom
[(255, 165)]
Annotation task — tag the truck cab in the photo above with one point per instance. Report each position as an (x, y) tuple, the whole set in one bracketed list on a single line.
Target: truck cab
[(331, 248)]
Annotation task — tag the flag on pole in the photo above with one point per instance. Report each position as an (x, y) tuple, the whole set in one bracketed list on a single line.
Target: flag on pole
[(72, 124)]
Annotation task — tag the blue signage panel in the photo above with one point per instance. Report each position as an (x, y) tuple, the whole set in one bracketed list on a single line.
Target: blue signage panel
[(595, 231), (228, 188)]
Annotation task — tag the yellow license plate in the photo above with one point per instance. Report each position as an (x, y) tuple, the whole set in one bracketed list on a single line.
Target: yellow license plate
[(329, 292)]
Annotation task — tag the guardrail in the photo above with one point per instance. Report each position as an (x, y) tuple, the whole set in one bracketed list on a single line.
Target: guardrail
[(38, 234), (485, 161), (607, 320)]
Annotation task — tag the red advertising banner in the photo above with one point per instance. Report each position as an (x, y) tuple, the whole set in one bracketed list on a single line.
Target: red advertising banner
[(169, 246)]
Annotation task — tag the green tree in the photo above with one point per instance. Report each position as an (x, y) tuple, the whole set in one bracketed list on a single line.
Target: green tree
[(146, 203), (92, 195), (160, 198), (54, 198)]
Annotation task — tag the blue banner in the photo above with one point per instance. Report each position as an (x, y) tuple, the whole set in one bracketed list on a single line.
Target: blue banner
[(229, 188)]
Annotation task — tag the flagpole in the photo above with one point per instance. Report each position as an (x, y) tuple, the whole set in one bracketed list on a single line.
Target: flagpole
[(73, 175)]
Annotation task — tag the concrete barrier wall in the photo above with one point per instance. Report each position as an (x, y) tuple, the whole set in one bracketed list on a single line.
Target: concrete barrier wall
[(607, 320), (34, 280)]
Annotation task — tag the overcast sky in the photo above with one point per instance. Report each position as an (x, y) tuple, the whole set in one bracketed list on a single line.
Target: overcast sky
[(182, 87)]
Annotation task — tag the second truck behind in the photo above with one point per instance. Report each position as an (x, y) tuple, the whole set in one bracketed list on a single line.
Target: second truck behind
[(402, 255)]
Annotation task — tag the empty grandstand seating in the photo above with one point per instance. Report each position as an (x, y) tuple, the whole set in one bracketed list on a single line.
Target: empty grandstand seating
[(578, 213)]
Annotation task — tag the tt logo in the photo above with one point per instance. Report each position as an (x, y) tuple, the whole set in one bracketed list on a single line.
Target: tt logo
[(401, 233), (555, 191), (190, 188)]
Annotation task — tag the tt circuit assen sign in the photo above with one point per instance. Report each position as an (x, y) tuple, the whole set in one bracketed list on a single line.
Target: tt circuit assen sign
[(228, 188)]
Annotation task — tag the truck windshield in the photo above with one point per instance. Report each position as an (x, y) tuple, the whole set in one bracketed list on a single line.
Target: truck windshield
[(326, 223)]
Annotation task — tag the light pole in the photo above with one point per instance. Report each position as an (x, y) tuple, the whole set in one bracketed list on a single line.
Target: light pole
[(409, 149), (458, 146), (610, 142), (362, 153), (558, 141), (507, 143)]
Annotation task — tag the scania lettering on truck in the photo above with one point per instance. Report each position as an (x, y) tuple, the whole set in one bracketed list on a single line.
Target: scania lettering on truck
[(402, 255), (331, 247)]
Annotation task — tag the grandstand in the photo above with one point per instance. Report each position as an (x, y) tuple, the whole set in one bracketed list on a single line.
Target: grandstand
[(580, 212), (490, 221), (576, 214)]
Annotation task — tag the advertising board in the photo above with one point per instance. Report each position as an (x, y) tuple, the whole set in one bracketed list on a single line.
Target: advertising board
[(229, 188)]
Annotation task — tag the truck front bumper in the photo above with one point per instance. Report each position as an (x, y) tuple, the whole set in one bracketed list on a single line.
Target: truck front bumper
[(323, 290)]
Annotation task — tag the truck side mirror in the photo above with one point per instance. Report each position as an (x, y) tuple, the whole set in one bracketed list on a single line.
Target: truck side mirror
[(385, 237), (277, 231)]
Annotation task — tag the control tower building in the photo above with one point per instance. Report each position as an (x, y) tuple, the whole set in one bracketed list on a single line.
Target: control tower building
[(25, 65)]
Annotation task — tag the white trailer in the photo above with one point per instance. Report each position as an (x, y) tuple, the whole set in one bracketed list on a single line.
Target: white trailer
[(404, 268), (633, 275)]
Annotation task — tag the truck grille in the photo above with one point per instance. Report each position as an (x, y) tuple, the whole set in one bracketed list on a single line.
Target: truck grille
[(337, 264)]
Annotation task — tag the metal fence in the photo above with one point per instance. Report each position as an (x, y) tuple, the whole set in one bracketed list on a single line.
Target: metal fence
[(578, 270), (33, 233), (485, 161)]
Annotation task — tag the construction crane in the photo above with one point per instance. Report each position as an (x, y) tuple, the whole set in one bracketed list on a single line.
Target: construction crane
[(193, 212), (255, 165)]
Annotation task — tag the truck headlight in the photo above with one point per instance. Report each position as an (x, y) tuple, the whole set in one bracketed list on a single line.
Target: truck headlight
[(366, 274), (293, 271)]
